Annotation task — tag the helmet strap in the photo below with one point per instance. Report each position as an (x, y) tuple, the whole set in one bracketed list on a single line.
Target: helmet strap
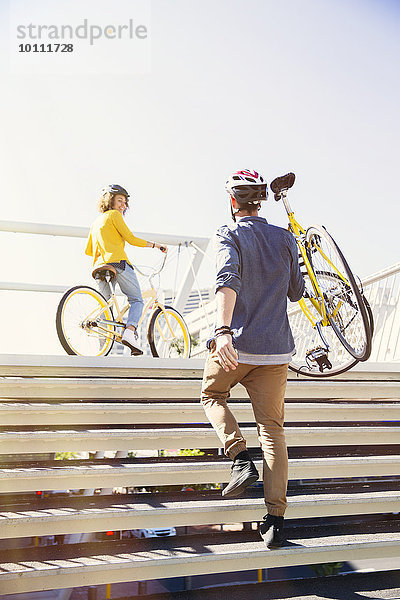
[(233, 213)]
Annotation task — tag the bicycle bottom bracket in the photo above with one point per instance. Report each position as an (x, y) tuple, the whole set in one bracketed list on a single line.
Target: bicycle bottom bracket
[(318, 356)]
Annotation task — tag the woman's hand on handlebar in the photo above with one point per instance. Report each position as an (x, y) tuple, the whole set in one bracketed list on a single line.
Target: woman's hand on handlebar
[(160, 247)]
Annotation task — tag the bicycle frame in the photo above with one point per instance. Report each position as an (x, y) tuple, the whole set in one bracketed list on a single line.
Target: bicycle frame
[(318, 302), (151, 302)]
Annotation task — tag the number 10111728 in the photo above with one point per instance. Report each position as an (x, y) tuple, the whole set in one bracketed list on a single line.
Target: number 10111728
[(45, 48)]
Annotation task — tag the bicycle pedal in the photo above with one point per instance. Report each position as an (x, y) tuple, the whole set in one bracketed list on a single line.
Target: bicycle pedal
[(319, 356)]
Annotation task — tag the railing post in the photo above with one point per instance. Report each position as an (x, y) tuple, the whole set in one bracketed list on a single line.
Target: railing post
[(188, 280)]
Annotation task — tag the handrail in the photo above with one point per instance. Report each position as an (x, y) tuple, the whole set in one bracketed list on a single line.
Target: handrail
[(18, 286), (83, 232), (382, 274)]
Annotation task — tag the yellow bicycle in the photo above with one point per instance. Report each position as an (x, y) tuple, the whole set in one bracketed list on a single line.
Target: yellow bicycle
[(332, 324), (86, 324)]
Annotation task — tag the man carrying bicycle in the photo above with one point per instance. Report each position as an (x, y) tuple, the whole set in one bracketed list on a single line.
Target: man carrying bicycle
[(106, 243), (257, 269)]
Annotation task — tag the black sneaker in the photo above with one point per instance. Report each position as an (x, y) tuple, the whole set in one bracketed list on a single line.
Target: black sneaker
[(271, 531), (243, 474)]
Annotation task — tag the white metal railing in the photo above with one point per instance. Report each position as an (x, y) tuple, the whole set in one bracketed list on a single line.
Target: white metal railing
[(83, 232), (382, 290), (198, 244), (201, 323)]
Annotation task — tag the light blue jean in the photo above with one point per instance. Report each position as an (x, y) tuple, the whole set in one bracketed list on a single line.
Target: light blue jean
[(129, 285)]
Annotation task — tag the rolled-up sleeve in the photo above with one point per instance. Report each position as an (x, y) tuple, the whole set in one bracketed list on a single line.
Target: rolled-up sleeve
[(227, 262), (296, 282)]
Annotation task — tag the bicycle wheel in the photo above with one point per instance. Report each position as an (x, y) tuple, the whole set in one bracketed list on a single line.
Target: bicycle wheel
[(307, 337), (168, 334), (344, 303), (79, 322)]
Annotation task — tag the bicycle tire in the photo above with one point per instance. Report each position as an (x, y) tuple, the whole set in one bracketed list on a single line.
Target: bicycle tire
[(370, 316), (318, 374), (179, 346), (65, 331), (344, 303)]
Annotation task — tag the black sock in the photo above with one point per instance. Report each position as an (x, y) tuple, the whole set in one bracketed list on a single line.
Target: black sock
[(244, 455)]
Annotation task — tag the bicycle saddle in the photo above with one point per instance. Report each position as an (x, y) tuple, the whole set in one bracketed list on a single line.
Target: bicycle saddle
[(104, 272), (282, 183)]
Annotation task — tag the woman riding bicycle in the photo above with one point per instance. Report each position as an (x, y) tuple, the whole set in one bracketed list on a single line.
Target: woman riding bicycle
[(106, 243)]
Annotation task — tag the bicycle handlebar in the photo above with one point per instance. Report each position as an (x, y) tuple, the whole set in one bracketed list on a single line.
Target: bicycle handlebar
[(162, 265), (155, 273)]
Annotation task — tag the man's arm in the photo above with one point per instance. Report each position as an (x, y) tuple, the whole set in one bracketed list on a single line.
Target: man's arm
[(226, 353), (227, 285), (226, 300), (296, 282)]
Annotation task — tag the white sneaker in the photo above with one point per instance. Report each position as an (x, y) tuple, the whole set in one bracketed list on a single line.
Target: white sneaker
[(130, 339)]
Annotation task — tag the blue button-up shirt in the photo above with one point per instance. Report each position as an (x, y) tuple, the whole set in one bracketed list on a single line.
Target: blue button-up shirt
[(260, 262)]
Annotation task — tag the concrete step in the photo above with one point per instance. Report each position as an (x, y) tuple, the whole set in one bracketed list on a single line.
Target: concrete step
[(83, 515), (108, 474), (348, 586), (191, 555), (35, 387), (148, 367), (122, 413), (100, 366), (76, 440)]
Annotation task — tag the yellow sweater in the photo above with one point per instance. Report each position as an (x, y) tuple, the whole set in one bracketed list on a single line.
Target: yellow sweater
[(106, 241)]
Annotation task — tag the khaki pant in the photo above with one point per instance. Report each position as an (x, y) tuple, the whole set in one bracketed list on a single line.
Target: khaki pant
[(266, 385)]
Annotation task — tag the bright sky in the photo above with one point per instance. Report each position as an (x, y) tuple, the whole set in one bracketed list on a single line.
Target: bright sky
[(309, 86)]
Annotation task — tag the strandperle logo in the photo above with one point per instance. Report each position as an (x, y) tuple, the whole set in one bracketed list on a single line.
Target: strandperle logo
[(84, 31)]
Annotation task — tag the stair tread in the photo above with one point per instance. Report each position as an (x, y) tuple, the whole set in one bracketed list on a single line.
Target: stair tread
[(125, 366), (119, 505), (119, 438), (109, 387), (183, 431), (175, 549), (177, 465)]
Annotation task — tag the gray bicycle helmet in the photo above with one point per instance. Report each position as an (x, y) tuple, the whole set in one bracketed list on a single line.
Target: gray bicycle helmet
[(114, 188)]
